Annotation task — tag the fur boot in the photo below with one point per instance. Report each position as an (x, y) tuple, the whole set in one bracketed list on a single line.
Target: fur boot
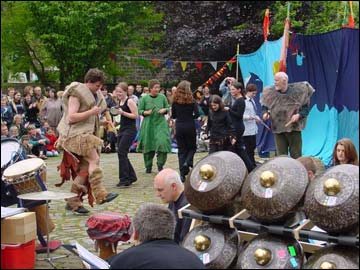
[(97, 188)]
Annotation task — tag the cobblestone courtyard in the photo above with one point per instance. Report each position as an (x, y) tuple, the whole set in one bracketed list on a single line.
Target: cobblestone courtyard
[(70, 227)]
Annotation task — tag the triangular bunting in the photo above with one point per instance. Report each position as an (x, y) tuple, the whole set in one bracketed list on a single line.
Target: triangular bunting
[(169, 63), (214, 64), (183, 65), (199, 65), (156, 62), (229, 65)]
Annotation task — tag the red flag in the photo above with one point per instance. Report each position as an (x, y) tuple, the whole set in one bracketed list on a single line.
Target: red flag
[(351, 17), (266, 24)]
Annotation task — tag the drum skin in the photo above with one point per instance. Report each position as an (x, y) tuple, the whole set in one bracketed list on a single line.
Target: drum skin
[(222, 249), (212, 195), (338, 212), (11, 152), (284, 253), (341, 257), (273, 201)]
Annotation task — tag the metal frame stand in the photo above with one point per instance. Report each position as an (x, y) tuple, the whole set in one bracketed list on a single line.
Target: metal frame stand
[(48, 258)]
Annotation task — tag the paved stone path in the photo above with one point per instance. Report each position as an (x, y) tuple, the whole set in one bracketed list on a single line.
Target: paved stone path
[(71, 227)]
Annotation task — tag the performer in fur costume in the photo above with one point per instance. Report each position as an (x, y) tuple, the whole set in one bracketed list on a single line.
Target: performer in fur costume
[(288, 105), (79, 137)]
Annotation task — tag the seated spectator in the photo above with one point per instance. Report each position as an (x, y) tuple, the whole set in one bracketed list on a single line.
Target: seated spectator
[(14, 133), (4, 130), (345, 153), (37, 141), (18, 122), (50, 148), (18, 103), (24, 141), (7, 113), (31, 110), (154, 227)]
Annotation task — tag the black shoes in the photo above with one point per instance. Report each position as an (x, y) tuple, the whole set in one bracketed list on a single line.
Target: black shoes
[(123, 184), (80, 210), (110, 197), (160, 168), (148, 170)]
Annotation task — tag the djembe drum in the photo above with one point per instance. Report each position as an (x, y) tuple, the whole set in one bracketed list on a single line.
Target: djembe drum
[(29, 176), (107, 229)]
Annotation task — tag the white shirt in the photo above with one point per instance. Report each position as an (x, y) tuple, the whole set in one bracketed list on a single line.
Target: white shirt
[(250, 124)]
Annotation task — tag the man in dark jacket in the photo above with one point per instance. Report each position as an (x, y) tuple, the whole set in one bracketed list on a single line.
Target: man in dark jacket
[(154, 227), (170, 189)]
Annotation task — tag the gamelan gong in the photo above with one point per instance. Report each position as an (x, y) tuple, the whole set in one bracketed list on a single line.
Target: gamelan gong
[(273, 190), (332, 200), (334, 257), (271, 252), (215, 181), (215, 245)]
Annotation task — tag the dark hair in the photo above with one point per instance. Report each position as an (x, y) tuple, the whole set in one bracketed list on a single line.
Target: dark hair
[(251, 87), (239, 85), (217, 100), (350, 152), (153, 82), (94, 75)]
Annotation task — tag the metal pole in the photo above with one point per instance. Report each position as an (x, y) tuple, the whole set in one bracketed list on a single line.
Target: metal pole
[(237, 66)]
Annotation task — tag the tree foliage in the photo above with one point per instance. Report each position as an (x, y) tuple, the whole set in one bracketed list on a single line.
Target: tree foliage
[(211, 30), (78, 35)]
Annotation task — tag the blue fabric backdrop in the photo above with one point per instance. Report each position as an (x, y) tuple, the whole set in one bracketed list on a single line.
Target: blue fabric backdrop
[(330, 63)]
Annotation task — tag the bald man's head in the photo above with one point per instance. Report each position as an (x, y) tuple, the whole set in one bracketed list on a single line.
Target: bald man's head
[(168, 185)]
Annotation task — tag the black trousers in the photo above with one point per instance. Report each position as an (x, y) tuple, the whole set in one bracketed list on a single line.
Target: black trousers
[(250, 144), (186, 141), (126, 170), (241, 152)]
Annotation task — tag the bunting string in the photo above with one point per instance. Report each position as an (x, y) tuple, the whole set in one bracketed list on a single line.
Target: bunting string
[(169, 63)]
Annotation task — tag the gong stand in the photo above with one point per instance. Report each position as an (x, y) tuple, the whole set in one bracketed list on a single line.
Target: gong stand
[(249, 229)]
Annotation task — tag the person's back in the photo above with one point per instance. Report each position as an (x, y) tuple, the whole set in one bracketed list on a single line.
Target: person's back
[(156, 254), (154, 227)]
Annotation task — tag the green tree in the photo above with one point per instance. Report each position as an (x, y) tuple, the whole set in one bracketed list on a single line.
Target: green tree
[(312, 17), (211, 30), (77, 35)]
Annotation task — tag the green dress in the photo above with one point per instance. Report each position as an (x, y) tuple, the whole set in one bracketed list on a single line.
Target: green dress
[(154, 132)]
